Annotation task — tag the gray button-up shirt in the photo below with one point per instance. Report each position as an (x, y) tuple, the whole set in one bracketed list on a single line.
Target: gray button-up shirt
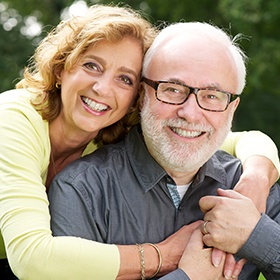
[(119, 195)]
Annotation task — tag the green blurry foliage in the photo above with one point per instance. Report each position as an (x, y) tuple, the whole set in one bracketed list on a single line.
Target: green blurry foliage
[(257, 20)]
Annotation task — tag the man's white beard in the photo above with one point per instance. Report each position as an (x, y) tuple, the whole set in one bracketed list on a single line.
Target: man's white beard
[(176, 155)]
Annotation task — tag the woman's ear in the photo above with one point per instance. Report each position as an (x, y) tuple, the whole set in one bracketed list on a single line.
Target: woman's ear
[(57, 73)]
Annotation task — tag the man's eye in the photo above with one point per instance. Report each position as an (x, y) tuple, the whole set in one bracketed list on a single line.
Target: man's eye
[(211, 96), (172, 90), (175, 90)]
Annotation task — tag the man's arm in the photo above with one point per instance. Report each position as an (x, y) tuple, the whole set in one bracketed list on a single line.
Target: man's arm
[(264, 241), (250, 236), (259, 156)]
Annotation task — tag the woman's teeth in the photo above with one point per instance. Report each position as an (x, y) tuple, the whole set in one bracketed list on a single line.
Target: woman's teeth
[(93, 105)]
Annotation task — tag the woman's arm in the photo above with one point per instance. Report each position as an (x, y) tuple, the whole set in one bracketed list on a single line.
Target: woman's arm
[(259, 174), (171, 250), (24, 214), (259, 156), (32, 251)]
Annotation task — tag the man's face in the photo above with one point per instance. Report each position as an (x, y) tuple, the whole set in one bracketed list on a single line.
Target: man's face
[(183, 137)]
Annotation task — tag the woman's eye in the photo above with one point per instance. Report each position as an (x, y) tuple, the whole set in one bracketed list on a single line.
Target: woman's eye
[(126, 80), (92, 66)]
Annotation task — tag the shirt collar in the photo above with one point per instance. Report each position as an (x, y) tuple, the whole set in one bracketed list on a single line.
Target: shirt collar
[(214, 169), (149, 172)]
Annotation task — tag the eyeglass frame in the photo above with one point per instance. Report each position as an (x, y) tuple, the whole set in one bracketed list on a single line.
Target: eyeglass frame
[(194, 90)]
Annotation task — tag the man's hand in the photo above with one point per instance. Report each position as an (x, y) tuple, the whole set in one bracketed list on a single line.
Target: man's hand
[(232, 218)]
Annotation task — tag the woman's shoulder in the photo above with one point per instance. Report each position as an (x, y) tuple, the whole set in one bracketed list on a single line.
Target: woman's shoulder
[(16, 108), (17, 100), (15, 97)]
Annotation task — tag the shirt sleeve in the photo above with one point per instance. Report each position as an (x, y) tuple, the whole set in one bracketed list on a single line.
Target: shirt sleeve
[(249, 143), (24, 214), (175, 275), (263, 247), (67, 220)]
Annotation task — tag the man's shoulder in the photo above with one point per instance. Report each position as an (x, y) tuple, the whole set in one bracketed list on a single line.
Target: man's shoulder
[(107, 156), (226, 159), (224, 168), (106, 153)]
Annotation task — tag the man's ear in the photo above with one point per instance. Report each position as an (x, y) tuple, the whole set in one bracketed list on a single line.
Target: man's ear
[(236, 103)]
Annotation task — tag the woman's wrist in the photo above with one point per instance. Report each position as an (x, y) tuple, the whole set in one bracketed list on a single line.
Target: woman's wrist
[(132, 258)]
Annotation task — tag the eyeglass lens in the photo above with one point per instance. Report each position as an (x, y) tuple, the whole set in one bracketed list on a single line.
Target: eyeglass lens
[(210, 99)]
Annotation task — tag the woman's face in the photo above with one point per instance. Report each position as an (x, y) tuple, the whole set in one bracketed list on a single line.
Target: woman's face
[(100, 88)]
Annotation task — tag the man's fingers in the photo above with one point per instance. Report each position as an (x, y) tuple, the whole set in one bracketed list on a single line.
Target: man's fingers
[(229, 194), (208, 202)]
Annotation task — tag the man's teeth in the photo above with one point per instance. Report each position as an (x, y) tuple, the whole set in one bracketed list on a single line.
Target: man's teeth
[(186, 133), (93, 105)]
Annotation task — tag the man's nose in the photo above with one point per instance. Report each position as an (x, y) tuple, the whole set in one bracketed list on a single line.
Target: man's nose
[(190, 110)]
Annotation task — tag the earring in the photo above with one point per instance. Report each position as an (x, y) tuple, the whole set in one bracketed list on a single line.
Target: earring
[(58, 85)]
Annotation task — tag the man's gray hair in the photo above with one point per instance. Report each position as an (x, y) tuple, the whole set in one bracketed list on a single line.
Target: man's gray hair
[(205, 30)]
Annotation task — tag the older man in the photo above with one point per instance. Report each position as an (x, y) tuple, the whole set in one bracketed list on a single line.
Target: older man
[(149, 185)]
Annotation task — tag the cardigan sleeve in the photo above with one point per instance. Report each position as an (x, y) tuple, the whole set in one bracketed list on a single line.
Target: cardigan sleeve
[(248, 143), (32, 251)]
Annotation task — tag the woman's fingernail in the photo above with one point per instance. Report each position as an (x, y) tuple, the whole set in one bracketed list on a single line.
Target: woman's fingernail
[(216, 262), (228, 274)]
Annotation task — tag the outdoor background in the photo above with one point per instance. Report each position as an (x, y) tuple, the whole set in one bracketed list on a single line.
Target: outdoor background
[(24, 23)]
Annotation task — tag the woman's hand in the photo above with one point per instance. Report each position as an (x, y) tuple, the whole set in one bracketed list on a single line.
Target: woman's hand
[(196, 260), (231, 268), (173, 247)]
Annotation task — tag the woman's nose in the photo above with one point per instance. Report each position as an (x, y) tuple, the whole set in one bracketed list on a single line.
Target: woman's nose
[(103, 85)]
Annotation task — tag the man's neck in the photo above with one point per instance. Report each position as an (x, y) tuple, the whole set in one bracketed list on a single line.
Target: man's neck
[(182, 178)]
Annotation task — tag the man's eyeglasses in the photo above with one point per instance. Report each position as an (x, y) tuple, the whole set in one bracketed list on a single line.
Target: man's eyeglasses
[(173, 93)]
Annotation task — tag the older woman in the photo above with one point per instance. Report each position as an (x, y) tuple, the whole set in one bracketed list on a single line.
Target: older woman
[(78, 91)]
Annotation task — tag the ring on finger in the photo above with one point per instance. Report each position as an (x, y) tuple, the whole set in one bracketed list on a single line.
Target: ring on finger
[(204, 229)]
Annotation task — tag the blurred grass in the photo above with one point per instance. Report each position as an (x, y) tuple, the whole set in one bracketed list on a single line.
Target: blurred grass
[(261, 277)]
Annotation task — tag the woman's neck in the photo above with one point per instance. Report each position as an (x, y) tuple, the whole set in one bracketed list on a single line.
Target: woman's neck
[(65, 139), (66, 146)]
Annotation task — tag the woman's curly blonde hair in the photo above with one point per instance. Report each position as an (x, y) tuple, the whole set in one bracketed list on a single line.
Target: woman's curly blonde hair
[(64, 45)]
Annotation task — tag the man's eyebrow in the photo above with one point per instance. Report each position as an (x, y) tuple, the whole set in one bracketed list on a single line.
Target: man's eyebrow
[(208, 85), (177, 81)]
